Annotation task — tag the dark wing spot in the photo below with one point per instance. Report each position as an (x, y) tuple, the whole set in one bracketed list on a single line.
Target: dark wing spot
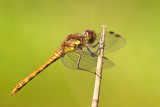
[(111, 32), (117, 35)]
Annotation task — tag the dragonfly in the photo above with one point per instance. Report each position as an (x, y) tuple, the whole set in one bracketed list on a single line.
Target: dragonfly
[(79, 51)]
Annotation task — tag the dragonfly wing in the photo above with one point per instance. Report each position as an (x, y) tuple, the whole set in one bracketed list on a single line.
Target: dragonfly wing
[(87, 62), (113, 42), (107, 63), (70, 59)]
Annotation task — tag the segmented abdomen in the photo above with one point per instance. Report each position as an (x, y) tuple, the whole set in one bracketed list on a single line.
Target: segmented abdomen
[(23, 82)]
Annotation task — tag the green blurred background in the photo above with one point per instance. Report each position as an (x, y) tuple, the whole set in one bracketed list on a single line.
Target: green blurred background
[(31, 30)]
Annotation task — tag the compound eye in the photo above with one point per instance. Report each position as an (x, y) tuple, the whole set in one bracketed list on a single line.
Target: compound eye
[(88, 32)]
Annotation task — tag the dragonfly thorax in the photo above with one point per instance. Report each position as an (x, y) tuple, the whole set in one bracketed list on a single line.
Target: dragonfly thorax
[(90, 36)]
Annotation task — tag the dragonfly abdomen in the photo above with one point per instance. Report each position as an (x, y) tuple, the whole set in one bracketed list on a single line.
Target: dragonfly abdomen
[(23, 82)]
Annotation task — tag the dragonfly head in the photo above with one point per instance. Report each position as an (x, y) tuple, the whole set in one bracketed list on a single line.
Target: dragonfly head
[(90, 36)]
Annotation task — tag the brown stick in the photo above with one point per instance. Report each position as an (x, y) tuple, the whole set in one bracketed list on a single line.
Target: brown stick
[(96, 93)]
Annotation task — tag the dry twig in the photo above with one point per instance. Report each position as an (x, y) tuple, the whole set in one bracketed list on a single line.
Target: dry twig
[(96, 93)]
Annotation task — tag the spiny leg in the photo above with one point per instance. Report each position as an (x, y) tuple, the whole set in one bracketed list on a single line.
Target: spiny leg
[(82, 68), (93, 46), (79, 59), (92, 53), (90, 72)]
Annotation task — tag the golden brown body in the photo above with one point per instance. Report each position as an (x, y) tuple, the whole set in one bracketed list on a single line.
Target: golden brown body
[(70, 44)]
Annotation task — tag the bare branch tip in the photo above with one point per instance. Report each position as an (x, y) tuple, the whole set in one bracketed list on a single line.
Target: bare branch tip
[(103, 26)]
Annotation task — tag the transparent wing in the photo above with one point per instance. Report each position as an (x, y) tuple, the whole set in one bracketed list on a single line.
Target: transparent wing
[(87, 62), (113, 42)]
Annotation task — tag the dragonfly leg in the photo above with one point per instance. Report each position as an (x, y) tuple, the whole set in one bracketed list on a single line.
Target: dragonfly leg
[(92, 53), (86, 70), (90, 72), (79, 59), (93, 46)]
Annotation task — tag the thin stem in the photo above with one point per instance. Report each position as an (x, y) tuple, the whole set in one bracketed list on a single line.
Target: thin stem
[(96, 93)]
